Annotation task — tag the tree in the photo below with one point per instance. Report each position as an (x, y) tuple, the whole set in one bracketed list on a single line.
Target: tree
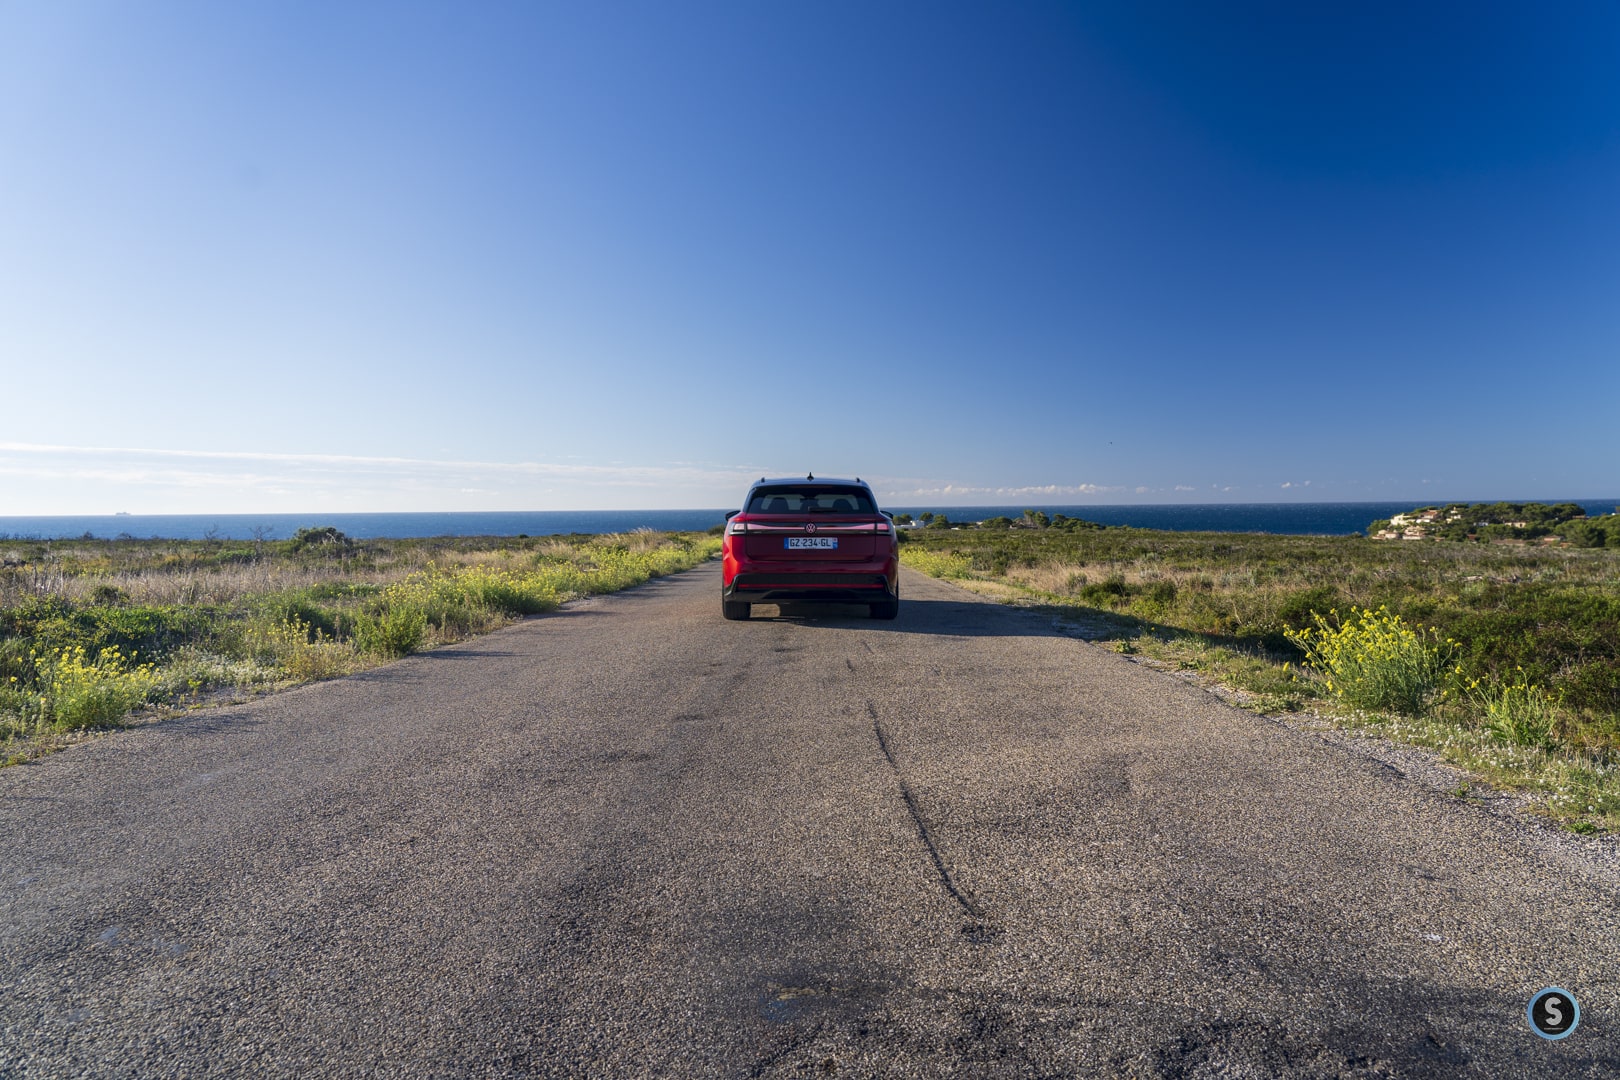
[(325, 538), (1601, 531)]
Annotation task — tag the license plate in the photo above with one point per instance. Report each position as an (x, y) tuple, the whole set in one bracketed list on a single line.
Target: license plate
[(822, 543)]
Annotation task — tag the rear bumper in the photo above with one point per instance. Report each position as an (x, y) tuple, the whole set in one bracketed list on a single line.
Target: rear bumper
[(767, 587)]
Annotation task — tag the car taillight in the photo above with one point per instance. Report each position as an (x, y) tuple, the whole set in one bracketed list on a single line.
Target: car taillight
[(883, 526), (735, 527)]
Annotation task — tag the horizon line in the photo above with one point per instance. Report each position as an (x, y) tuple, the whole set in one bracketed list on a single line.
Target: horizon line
[(704, 509)]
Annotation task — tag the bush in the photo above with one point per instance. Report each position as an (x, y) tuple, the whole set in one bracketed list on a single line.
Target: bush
[(108, 595), (22, 714), (1106, 593), (325, 538), (55, 623), (81, 693), (1297, 611), (1375, 661), (299, 650), (16, 662), (1554, 636), (296, 607), (939, 564), (395, 631), (1519, 713)]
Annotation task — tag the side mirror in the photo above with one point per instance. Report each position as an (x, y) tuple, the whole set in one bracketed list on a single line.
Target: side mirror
[(731, 514)]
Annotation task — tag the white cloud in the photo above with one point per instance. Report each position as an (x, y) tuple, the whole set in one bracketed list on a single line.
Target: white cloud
[(903, 491), (54, 478)]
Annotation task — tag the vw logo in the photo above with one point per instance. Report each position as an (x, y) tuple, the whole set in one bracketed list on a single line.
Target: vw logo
[(809, 526)]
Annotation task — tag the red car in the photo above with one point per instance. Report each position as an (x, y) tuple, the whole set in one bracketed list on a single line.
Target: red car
[(810, 540)]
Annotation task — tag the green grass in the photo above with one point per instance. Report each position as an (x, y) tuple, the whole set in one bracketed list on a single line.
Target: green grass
[(1503, 658), (92, 630)]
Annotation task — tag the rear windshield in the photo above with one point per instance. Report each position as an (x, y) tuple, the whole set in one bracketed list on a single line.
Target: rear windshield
[(805, 499)]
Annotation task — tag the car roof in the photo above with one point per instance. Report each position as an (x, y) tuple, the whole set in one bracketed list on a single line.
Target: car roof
[(857, 482)]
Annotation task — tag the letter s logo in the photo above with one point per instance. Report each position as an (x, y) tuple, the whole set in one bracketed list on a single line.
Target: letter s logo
[(1553, 1013)]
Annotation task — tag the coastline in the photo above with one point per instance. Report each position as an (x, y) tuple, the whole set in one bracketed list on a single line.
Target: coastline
[(1295, 519)]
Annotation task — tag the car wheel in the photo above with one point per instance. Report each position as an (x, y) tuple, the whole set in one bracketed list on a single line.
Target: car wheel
[(734, 611), (887, 610)]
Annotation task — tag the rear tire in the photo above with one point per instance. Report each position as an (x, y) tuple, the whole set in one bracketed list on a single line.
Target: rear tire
[(888, 609), (734, 611)]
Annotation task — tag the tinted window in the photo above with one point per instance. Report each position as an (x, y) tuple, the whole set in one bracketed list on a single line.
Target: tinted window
[(804, 499)]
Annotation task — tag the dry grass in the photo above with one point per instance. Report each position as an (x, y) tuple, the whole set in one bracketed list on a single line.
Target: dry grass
[(87, 581), (1059, 578)]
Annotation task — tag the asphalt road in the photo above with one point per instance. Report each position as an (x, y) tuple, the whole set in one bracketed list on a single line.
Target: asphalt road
[(633, 839)]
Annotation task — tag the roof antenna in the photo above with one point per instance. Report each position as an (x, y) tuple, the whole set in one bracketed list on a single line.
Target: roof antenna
[(812, 476)]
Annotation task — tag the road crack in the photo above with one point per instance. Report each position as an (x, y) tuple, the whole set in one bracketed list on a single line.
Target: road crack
[(980, 927)]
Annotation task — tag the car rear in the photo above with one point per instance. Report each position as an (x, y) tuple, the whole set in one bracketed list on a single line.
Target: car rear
[(797, 541)]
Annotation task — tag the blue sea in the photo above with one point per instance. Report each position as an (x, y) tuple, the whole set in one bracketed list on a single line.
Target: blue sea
[(1319, 519)]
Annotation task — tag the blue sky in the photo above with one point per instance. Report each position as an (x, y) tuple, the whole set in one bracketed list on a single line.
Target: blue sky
[(269, 257)]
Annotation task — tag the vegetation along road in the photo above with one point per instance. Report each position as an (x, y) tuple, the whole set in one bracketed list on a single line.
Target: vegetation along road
[(627, 838)]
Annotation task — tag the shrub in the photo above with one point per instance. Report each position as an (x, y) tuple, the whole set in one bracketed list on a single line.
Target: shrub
[(108, 594), (299, 650), (319, 659), (16, 662), (325, 538), (81, 693), (22, 713), (940, 564), (1106, 593), (505, 591), (297, 607), (397, 630), (1520, 713), (995, 563), (1296, 612), (1373, 660)]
